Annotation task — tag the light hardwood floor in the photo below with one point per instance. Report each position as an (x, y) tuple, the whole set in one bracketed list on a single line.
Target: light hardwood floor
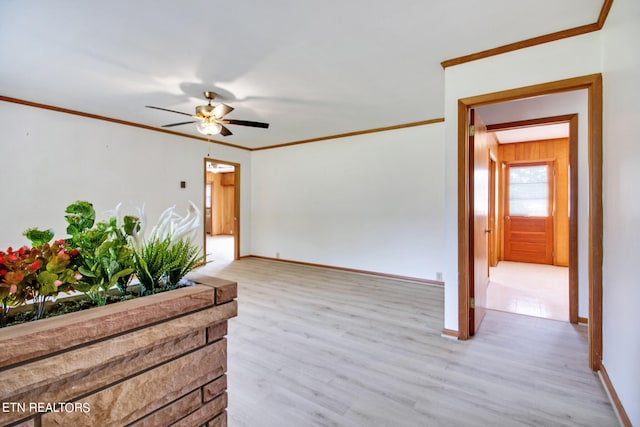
[(319, 347)]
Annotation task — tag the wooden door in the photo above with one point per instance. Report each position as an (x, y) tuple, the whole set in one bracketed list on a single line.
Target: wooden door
[(479, 227), (528, 223)]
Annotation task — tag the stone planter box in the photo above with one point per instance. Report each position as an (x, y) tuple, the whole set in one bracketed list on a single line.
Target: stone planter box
[(153, 361)]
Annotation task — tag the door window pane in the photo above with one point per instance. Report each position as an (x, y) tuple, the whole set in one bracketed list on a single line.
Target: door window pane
[(529, 190)]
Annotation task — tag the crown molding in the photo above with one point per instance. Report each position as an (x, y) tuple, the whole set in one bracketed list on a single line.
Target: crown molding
[(559, 35)]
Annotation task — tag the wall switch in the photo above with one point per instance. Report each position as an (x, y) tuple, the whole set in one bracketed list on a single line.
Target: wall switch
[(439, 276)]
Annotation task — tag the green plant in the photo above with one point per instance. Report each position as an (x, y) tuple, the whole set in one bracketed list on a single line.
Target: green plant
[(97, 257), (106, 258), (36, 273), (151, 263), (168, 254), (186, 256)]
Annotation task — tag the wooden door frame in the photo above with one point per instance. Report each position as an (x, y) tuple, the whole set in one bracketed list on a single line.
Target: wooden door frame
[(493, 210), (236, 204), (593, 84)]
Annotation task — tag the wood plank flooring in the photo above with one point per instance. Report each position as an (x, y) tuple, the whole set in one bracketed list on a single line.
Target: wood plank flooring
[(319, 347)]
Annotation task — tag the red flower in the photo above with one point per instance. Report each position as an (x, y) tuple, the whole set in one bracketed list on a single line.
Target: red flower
[(61, 242), (12, 258), (3, 273), (35, 265), (2, 260), (74, 252)]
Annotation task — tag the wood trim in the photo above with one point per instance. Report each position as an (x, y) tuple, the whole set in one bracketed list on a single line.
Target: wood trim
[(574, 301), (604, 12), (464, 243), (236, 201), (530, 123), (595, 223), (450, 333), (356, 133), (353, 270), (583, 320), (200, 138), (112, 120), (623, 417), (558, 35), (593, 83), (559, 86)]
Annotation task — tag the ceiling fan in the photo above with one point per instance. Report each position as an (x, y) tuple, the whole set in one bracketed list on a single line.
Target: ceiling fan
[(209, 118)]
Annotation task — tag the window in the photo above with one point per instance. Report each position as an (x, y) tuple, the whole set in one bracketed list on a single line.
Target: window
[(529, 190)]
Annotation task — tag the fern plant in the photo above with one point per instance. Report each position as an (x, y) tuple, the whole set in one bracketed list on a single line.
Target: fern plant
[(151, 262), (186, 258), (168, 254), (161, 264)]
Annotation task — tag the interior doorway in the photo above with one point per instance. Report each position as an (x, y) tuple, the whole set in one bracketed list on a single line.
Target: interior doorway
[(532, 270), (593, 237), (221, 208)]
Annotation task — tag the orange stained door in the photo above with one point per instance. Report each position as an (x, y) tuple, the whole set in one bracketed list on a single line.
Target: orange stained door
[(479, 224), (528, 223)]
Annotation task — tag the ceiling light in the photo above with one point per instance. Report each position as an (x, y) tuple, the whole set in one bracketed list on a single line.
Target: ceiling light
[(208, 127)]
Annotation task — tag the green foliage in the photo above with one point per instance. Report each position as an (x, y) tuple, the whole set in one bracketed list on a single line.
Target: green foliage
[(186, 257), (131, 224), (36, 273), (161, 263), (106, 257), (38, 237), (151, 263), (97, 257), (81, 216)]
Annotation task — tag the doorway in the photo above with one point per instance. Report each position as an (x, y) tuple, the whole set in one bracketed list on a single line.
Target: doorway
[(221, 207), (532, 269), (466, 257)]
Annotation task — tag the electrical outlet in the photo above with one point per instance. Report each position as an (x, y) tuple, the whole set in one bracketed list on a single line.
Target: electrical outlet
[(277, 255), (439, 276)]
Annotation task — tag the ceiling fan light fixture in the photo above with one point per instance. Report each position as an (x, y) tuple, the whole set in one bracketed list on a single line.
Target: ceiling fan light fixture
[(208, 127), (209, 118)]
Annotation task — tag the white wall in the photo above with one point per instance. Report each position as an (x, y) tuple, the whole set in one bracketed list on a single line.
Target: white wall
[(51, 159), (575, 102), (612, 51), (371, 202), (621, 285), (573, 57)]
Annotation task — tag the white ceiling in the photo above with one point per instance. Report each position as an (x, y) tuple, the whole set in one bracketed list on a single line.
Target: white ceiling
[(533, 133), (309, 68), (504, 115)]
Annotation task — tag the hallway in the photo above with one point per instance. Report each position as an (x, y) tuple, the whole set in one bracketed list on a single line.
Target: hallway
[(531, 289)]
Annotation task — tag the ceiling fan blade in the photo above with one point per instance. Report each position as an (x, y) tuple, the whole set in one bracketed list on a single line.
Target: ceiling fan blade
[(171, 111), (224, 131), (178, 124), (221, 110), (246, 123)]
